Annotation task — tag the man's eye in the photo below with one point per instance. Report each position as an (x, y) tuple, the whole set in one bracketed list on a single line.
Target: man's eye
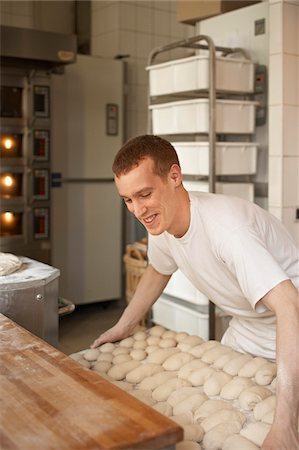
[(146, 195), (127, 200)]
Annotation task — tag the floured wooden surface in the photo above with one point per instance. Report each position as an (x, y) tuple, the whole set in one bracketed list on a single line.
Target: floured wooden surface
[(50, 401)]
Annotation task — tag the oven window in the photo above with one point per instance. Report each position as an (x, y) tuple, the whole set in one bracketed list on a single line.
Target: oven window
[(11, 145), (11, 101), (10, 224), (10, 185)]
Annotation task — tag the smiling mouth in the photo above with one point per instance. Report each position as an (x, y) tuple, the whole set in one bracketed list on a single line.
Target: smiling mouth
[(150, 219)]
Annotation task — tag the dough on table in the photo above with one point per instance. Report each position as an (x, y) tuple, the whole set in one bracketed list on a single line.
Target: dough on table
[(209, 356), (152, 348), (119, 371), (187, 445), (183, 419), (199, 350), (118, 359), (266, 374), (233, 388), (124, 385), (198, 376), (140, 336), (181, 393), (167, 342), (209, 407), (138, 355), (224, 415), (253, 395), (238, 442), (153, 340), (161, 393), (269, 417), (144, 396), (191, 403), (163, 408), (273, 384), (175, 361), (256, 432), (189, 342), (220, 362), (264, 407), (156, 380), (76, 356), (127, 343), (106, 357), (193, 432), (180, 336), (83, 362), (251, 367), (102, 366), (160, 355), (169, 334), (139, 345), (187, 368), (141, 371), (9, 263), (108, 347), (233, 366), (91, 355), (157, 330), (120, 351), (214, 438), (213, 385)]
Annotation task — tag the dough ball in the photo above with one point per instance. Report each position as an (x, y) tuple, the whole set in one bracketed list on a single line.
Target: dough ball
[(224, 415), (76, 356), (161, 354), (273, 384), (251, 367), (190, 403), (144, 396), (162, 393), (215, 383), (181, 394), (237, 442), (153, 340), (91, 354), (233, 366), (187, 445), (119, 371), (127, 343), (199, 376), (269, 417), (157, 330), (209, 407), (198, 350), (152, 348), (189, 367), (253, 395), (265, 374), (84, 362), (264, 407), (167, 343), (256, 432), (209, 356), (189, 342), (102, 366), (138, 355), (183, 419), (180, 336), (163, 408), (175, 361), (156, 380), (214, 438), (220, 362), (136, 375), (140, 345), (193, 432), (120, 351), (121, 358), (169, 334), (123, 385), (233, 388), (140, 336), (105, 357), (107, 347)]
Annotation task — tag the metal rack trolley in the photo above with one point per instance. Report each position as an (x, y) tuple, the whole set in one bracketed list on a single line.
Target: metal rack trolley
[(195, 43)]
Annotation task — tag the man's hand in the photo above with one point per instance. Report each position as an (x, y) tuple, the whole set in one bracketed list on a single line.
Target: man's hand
[(114, 334), (280, 438)]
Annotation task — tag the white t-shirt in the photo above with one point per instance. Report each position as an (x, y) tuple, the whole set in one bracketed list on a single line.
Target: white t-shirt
[(234, 252)]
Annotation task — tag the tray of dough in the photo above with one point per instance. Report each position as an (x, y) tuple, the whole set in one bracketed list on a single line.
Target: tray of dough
[(192, 116), (223, 399), (191, 74), (232, 158)]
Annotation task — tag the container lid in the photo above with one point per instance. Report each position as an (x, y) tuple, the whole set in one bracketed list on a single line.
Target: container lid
[(198, 101), (197, 58), (31, 274), (218, 144)]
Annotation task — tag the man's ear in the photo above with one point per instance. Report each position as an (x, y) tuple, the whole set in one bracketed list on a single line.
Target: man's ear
[(175, 174)]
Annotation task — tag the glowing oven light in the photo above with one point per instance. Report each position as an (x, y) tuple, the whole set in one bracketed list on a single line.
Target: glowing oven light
[(8, 181), (8, 217), (8, 143)]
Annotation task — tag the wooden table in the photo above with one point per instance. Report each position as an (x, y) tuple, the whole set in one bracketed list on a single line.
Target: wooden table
[(51, 402)]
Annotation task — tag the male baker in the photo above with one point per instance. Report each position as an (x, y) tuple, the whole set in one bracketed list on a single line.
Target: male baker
[(233, 251)]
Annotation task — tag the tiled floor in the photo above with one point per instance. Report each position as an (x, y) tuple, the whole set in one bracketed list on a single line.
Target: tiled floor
[(80, 328)]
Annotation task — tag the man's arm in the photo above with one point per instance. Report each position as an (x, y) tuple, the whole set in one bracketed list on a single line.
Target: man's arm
[(149, 288), (283, 300)]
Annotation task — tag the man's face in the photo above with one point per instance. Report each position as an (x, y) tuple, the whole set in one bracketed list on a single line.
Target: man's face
[(152, 199)]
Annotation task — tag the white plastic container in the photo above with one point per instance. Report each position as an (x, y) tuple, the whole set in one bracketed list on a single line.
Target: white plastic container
[(190, 74), (232, 158), (174, 315), (192, 116), (242, 190), (179, 286)]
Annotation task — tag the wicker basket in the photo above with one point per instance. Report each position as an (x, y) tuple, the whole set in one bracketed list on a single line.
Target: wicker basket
[(135, 261)]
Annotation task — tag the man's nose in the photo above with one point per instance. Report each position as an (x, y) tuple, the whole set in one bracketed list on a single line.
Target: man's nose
[(139, 209)]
